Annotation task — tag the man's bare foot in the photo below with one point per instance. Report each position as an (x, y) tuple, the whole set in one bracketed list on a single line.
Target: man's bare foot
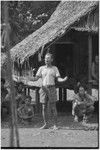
[(55, 127), (85, 120), (76, 119)]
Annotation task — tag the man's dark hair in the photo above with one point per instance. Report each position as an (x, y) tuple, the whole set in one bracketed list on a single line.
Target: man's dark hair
[(17, 84), (83, 86), (20, 83), (50, 54)]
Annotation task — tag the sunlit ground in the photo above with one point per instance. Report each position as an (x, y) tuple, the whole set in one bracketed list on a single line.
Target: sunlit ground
[(69, 134)]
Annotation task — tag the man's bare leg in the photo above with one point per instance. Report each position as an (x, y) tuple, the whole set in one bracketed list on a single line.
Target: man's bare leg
[(54, 116), (45, 117)]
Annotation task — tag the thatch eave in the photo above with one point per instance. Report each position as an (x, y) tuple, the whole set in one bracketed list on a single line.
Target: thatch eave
[(65, 15)]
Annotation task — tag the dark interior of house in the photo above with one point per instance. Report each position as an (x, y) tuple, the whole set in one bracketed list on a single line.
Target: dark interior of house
[(95, 45), (64, 59)]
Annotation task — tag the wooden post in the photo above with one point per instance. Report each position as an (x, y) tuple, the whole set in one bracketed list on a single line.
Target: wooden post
[(14, 128), (64, 94), (28, 91), (89, 62), (60, 94), (37, 99), (25, 90)]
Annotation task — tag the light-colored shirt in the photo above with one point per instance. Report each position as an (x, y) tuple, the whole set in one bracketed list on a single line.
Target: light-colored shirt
[(48, 74)]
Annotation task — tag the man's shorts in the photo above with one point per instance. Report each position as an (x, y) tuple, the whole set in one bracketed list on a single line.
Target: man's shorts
[(48, 94)]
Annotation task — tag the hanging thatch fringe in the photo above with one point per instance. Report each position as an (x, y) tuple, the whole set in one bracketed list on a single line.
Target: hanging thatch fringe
[(42, 50), (39, 56), (89, 23), (13, 69)]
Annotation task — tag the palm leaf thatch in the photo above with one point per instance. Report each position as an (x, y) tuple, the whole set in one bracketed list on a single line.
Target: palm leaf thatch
[(64, 17)]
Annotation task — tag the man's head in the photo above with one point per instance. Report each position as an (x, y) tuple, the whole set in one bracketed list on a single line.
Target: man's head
[(28, 99), (97, 59), (81, 90), (48, 59), (20, 86)]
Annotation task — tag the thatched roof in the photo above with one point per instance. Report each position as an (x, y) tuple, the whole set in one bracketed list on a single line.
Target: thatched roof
[(65, 15), (89, 23)]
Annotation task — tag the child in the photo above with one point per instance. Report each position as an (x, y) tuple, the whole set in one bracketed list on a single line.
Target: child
[(20, 95), (25, 112)]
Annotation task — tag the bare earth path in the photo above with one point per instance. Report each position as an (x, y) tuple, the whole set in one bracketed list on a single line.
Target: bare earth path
[(70, 134)]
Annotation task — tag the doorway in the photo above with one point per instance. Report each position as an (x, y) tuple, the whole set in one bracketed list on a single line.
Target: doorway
[(64, 58)]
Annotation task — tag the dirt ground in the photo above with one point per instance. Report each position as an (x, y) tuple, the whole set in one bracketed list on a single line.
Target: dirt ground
[(69, 134)]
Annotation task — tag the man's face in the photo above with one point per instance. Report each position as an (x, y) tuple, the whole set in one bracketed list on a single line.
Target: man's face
[(28, 101), (20, 87), (81, 91), (48, 60)]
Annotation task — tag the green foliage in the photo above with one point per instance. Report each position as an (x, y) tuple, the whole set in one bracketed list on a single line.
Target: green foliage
[(26, 17)]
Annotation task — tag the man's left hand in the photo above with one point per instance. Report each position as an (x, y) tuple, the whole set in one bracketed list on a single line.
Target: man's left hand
[(65, 79)]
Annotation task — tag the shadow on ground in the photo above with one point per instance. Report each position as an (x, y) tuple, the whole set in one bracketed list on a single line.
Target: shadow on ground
[(64, 121)]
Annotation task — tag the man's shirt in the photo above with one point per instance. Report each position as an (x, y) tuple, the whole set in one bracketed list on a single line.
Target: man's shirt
[(87, 99), (48, 74)]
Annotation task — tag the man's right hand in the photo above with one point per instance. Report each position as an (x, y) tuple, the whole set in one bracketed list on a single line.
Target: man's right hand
[(18, 78)]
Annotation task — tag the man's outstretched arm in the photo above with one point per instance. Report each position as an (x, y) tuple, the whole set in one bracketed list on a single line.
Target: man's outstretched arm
[(21, 78), (33, 78), (59, 79)]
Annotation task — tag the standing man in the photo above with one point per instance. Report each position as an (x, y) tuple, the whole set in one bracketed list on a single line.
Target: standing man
[(48, 96)]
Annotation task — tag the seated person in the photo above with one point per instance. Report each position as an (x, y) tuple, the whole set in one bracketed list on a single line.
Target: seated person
[(82, 105), (26, 112), (95, 70), (20, 95), (5, 98)]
